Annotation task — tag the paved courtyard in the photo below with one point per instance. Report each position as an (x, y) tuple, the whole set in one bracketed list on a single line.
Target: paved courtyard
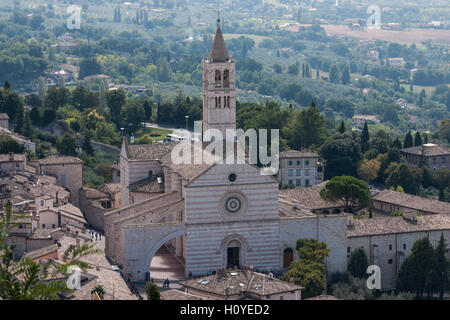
[(166, 266)]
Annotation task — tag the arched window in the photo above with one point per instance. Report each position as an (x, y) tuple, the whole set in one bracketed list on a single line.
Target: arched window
[(288, 257), (218, 79), (228, 102), (226, 79)]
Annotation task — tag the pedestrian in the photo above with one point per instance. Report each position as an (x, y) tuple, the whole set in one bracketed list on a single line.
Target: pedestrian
[(100, 236), (168, 283), (96, 235)]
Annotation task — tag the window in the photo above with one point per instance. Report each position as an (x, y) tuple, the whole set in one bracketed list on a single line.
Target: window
[(226, 79), (290, 163), (307, 184), (390, 247), (298, 163), (348, 249), (218, 79), (228, 102), (298, 182), (63, 180), (290, 172), (298, 172), (306, 172), (53, 226), (306, 162), (42, 203), (232, 177), (43, 225), (290, 182), (390, 261), (404, 246)]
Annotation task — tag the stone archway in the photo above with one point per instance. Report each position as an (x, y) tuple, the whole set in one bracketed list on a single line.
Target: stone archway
[(141, 245), (240, 246)]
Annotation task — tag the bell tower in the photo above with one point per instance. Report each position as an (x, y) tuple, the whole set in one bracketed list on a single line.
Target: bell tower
[(219, 88)]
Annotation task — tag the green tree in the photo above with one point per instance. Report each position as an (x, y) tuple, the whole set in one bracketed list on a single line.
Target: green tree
[(442, 266), (408, 142), (348, 191), (305, 128), (308, 274), (311, 249), (334, 74), (418, 270), (365, 137), (418, 139), (27, 127), (346, 75), (20, 119), (342, 127), (115, 100), (67, 145), (86, 145), (152, 291), (358, 263)]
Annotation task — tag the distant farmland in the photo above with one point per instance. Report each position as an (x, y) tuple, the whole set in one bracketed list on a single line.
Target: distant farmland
[(407, 36)]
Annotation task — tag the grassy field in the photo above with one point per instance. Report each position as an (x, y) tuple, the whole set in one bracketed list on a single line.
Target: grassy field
[(147, 131), (418, 89)]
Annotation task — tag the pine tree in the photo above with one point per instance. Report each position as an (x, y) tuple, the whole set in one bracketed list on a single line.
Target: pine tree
[(6, 85), (418, 139), (365, 137), (408, 142)]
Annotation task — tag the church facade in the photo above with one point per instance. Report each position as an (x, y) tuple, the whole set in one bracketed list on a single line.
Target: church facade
[(215, 215)]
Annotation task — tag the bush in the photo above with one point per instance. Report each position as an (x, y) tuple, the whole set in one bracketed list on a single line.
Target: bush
[(152, 291)]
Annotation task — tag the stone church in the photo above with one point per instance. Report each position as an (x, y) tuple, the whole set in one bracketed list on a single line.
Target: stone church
[(215, 215)]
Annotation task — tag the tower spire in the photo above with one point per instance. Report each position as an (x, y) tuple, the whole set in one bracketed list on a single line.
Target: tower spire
[(219, 52)]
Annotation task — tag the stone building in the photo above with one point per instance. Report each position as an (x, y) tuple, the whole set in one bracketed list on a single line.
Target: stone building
[(68, 172), (241, 285), (300, 168), (215, 214), (387, 241), (4, 120), (430, 155), (388, 201), (12, 163)]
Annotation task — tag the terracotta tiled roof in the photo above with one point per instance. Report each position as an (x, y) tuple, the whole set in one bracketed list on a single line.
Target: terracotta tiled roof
[(309, 197), (13, 157), (94, 194), (240, 282), (391, 225), (429, 150), (324, 297), (149, 151), (59, 160), (147, 185), (174, 294), (413, 202), (298, 154)]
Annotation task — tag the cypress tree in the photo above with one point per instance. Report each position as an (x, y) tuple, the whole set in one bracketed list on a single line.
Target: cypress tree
[(365, 138), (418, 139), (342, 127), (408, 142)]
